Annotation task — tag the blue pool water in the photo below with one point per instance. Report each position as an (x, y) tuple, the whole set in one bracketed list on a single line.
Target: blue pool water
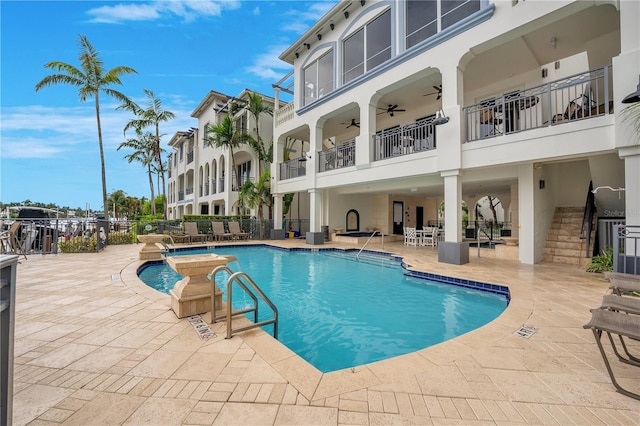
[(336, 311)]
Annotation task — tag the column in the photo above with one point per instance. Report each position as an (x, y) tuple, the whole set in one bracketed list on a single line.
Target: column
[(315, 235), (453, 249), (631, 158), (526, 214), (364, 141)]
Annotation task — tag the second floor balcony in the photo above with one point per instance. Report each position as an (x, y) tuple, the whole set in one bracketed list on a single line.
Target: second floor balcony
[(340, 156), (293, 168), (190, 157), (578, 97)]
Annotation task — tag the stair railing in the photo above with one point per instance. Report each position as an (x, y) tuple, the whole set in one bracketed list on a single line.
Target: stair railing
[(586, 227), (372, 235)]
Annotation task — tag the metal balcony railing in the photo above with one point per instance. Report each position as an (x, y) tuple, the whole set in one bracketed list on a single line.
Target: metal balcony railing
[(578, 97), (406, 139), (340, 156), (213, 186), (293, 168), (237, 187), (188, 191), (221, 187), (180, 195), (190, 157)]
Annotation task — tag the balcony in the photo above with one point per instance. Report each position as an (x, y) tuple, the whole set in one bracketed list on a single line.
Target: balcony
[(213, 186), (188, 191), (579, 97), (180, 195), (406, 139), (221, 184), (189, 157), (293, 168), (284, 114), (206, 188), (343, 155)]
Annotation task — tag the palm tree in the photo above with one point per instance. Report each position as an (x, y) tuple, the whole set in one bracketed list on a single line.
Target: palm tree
[(256, 107), (91, 79), (152, 116), (117, 202), (632, 113), (142, 147), (225, 135)]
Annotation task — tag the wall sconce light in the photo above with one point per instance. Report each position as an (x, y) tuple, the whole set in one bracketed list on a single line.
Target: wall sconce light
[(346, 14), (319, 36), (634, 97), (440, 118), (541, 184), (361, 2), (554, 42), (331, 26), (304, 157), (297, 55), (307, 45)]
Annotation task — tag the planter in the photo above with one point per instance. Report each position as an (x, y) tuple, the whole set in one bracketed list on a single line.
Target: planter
[(150, 249)]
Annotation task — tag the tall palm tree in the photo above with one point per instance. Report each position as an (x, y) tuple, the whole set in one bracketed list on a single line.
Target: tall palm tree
[(151, 116), (91, 79), (225, 135), (142, 147), (256, 107)]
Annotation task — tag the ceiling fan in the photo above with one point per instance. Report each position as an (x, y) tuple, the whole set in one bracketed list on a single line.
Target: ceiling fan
[(437, 92), (391, 109), (352, 124)]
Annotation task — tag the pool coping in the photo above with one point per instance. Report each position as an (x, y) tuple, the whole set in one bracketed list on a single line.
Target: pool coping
[(314, 384)]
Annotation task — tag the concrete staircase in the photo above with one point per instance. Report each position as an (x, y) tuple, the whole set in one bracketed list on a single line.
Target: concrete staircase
[(563, 241)]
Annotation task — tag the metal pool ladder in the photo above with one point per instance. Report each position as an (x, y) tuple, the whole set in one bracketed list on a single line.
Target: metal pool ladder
[(244, 281), (365, 244)]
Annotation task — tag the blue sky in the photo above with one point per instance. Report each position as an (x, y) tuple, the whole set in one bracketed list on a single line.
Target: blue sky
[(181, 50)]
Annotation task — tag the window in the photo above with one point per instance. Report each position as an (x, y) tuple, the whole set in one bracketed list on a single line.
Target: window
[(426, 18), (318, 78), (367, 48)]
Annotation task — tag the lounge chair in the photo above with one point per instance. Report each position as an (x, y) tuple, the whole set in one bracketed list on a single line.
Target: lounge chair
[(191, 229), (219, 233), (234, 229), (616, 317)]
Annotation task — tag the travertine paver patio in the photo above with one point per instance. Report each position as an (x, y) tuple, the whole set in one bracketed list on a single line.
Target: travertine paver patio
[(95, 346)]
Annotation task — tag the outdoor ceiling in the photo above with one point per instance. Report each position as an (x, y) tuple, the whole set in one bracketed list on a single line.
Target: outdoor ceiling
[(531, 49)]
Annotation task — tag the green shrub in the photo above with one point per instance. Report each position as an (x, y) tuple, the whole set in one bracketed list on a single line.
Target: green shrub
[(79, 244), (602, 262), (116, 238)]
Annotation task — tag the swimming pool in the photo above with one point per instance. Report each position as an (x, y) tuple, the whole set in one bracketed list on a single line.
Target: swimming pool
[(336, 311)]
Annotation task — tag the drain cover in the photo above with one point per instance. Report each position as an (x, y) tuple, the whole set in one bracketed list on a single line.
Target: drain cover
[(526, 331), (115, 277)]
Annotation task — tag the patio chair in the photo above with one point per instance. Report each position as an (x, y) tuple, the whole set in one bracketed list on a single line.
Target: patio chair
[(219, 233), (9, 241), (234, 228), (191, 229), (429, 236), (621, 324), (410, 236)]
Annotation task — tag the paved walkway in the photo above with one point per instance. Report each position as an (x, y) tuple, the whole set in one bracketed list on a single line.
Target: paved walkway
[(93, 346)]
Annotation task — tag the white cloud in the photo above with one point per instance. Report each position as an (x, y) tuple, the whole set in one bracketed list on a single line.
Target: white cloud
[(188, 10), (59, 132), (268, 66)]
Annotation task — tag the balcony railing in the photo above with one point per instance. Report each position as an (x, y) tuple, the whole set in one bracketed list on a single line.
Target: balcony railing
[(293, 168), (190, 157), (221, 187), (284, 114), (206, 188), (581, 96), (213, 186), (343, 155), (406, 139), (180, 195), (188, 191)]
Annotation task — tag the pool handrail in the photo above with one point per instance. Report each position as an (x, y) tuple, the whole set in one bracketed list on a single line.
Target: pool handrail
[(369, 239), (236, 277), (214, 318)]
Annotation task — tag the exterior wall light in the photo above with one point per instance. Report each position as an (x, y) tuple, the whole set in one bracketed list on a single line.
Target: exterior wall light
[(440, 118), (634, 97), (346, 14), (297, 55), (307, 45), (331, 26), (319, 36)]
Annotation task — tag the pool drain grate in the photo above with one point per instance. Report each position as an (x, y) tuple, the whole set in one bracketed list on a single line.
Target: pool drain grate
[(526, 331), (201, 327)]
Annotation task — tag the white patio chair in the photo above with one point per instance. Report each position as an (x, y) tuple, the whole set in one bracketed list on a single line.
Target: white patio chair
[(410, 236)]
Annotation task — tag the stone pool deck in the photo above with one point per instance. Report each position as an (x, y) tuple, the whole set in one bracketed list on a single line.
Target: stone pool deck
[(94, 346)]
